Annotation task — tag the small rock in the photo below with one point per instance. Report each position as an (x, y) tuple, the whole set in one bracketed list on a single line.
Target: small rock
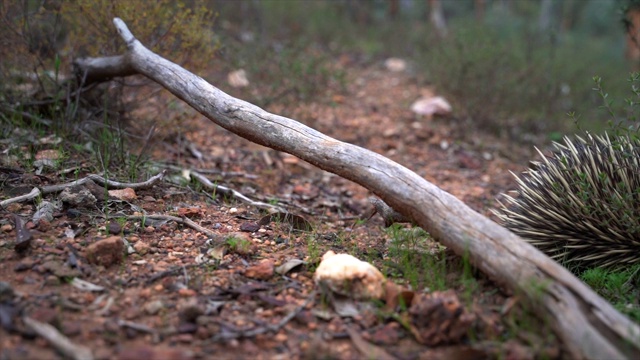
[(185, 292), (127, 194), (444, 309), (430, 106), (189, 310), (78, 196), (52, 280), (106, 252), (44, 225), (50, 154), (44, 212), (71, 328), (6, 292), (153, 307), (395, 64), (262, 271), (238, 78), (249, 227), (141, 247), (114, 228), (24, 264), (349, 276), (6, 228)]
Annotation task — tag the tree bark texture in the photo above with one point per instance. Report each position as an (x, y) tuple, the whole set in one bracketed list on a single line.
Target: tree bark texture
[(588, 325)]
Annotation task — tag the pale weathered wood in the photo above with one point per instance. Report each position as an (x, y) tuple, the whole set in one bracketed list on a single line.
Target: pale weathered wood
[(588, 325)]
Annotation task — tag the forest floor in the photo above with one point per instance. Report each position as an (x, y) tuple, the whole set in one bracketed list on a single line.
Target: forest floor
[(181, 293)]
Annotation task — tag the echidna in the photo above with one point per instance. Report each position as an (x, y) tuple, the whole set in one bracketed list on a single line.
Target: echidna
[(581, 206)]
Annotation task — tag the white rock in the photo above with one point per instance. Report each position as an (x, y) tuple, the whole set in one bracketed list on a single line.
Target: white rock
[(395, 64), (436, 105), (348, 276), (238, 78)]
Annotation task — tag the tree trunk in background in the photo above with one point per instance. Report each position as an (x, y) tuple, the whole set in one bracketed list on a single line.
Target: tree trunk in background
[(632, 23), (479, 7), (546, 15), (436, 17), (359, 10), (394, 6)]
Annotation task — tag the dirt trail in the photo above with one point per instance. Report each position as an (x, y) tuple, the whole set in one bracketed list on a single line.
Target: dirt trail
[(159, 303)]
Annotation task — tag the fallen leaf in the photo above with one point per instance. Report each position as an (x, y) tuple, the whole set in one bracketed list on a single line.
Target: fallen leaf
[(396, 295), (289, 265), (344, 307), (218, 252)]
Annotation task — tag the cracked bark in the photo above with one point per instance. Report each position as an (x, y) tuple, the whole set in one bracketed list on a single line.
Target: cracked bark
[(588, 325)]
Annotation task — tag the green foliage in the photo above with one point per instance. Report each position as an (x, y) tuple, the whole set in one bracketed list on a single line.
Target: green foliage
[(511, 78), (502, 74), (238, 245), (415, 259), (622, 118), (170, 28), (40, 96), (621, 288), (296, 72)]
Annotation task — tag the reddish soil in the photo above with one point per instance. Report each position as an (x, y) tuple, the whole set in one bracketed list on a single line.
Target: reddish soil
[(160, 303)]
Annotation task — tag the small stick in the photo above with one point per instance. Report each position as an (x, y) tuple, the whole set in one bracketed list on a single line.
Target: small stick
[(105, 182), (180, 220), (208, 184), (58, 340), (32, 195), (389, 215)]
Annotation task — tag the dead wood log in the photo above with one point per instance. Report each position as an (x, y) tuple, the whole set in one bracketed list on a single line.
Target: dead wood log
[(588, 325)]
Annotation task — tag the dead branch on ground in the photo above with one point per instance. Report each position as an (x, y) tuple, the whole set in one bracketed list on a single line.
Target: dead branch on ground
[(35, 192), (588, 325)]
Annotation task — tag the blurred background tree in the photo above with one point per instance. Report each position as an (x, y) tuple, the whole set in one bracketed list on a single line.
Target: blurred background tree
[(510, 67), (38, 90)]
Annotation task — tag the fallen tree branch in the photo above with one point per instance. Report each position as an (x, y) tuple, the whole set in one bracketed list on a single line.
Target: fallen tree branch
[(588, 325), (35, 192), (105, 182)]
